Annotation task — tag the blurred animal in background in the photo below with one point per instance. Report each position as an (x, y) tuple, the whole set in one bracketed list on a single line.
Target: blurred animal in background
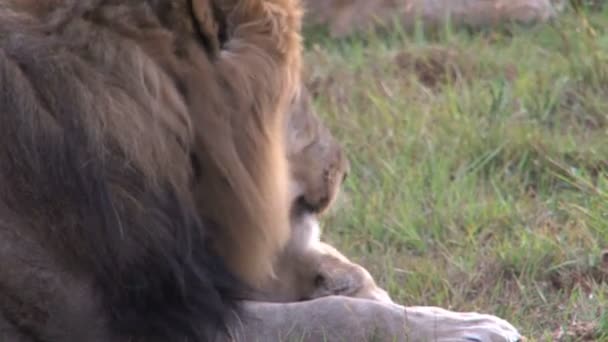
[(344, 17)]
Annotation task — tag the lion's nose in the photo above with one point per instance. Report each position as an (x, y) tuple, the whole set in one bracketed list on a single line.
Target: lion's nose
[(311, 205)]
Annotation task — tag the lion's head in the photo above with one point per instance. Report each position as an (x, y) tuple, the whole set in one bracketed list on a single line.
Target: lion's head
[(317, 161), (317, 168)]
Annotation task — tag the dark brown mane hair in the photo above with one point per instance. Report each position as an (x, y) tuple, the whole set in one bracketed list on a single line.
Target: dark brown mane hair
[(143, 180)]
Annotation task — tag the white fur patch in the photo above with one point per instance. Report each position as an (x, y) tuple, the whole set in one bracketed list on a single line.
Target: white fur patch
[(311, 222)]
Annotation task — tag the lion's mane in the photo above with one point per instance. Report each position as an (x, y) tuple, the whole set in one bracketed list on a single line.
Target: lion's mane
[(142, 164)]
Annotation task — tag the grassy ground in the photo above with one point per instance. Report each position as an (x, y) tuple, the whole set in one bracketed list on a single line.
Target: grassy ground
[(479, 167)]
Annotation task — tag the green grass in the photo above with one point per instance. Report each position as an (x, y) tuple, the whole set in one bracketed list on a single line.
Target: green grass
[(479, 166)]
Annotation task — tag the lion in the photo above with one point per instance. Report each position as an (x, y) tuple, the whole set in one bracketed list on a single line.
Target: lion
[(142, 163), (318, 165), (318, 290), (144, 184), (317, 162), (344, 18)]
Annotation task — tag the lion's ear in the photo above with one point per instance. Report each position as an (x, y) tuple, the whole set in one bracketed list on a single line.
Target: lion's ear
[(209, 24)]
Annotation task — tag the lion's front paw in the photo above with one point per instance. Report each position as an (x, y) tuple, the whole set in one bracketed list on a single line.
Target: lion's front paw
[(436, 324)]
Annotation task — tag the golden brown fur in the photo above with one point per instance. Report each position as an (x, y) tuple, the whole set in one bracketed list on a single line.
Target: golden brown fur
[(141, 149), (243, 161)]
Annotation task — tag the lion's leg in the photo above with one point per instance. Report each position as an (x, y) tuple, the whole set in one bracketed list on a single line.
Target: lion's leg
[(337, 318), (427, 323), (325, 319), (336, 274)]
